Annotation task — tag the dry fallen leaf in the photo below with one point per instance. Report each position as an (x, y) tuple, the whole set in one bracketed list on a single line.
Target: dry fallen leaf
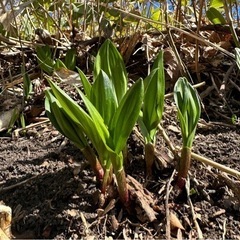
[(5, 222), (67, 76), (175, 222), (174, 129), (72, 212), (3, 236)]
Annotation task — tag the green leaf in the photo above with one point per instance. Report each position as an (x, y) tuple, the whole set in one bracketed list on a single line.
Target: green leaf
[(49, 113), (126, 116), (95, 129), (82, 10), (45, 60), (59, 64), (62, 123), (216, 4), (158, 62), (154, 98), (14, 116), (95, 117), (70, 59), (157, 14), (103, 96), (110, 61), (27, 86), (144, 130), (189, 109), (86, 84), (215, 16)]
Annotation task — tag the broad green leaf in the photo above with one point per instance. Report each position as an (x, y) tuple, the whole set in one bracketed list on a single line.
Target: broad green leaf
[(216, 4), (95, 116), (215, 16), (49, 113), (237, 56), (62, 123), (158, 62), (126, 116), (189, 109), (154, 97), (70, 59), (153, 101), (144, 130), (86, 84), (95, 131), (110, 61), (103, 96), (45, 60), (157, 14)]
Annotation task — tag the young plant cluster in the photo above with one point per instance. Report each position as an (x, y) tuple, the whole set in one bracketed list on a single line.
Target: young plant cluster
[(111, 110)]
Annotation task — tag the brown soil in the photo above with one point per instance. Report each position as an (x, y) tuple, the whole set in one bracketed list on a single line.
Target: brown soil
[(48, 201), (54, 194)]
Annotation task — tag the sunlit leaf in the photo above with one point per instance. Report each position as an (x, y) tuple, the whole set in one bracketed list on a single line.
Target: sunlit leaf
[(70, 59), (156, 15), (189, 109), (45, 60), (95, 129), (110, 61), (216, 4), (103, 97), (61, 122), (154, 97), (86, 84), (126, 115), (215, 16)]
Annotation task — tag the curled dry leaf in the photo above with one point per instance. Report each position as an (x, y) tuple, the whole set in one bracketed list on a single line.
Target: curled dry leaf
[(174, 129), (175, 222)]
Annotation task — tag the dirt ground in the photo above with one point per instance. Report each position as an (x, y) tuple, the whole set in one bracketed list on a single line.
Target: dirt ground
[(54, 194), (49, 201)]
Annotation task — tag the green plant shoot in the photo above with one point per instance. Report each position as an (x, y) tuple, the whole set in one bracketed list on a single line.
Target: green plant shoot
[(109, 117), (109, 141), (110, 61), (71, 130), (189, 112), (152, 109)]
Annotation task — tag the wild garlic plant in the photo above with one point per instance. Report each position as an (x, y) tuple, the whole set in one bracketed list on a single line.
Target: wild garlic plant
[(152, 110), (111, 113), (189, 111)]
